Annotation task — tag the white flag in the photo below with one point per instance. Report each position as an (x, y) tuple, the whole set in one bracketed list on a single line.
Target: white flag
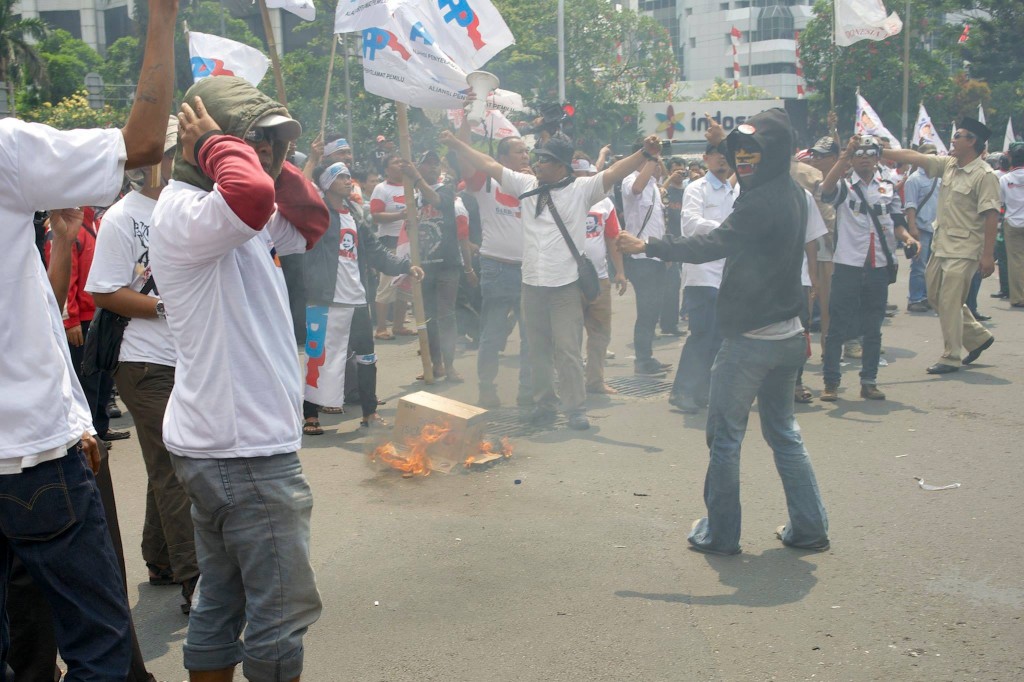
[(864, 20), (952, 134), (304, 9), (1008, 138), (215, 56), (469, 31), (403, 63), (981, 114), (358, 15), (924, 132), (868, 123)]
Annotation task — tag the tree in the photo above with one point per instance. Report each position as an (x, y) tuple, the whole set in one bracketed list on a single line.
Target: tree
[(723, 91), (18, 57), (67, 61)]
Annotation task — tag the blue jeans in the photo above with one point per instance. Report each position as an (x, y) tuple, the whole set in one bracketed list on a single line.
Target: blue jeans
[(693, 376), (746, 369), (52, 519), (856, 308), (647, 277), (251, 516), (918, 288), (500, 285)]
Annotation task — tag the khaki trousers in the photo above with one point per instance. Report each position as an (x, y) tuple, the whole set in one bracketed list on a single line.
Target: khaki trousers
[(597, 320), (949, 282), (1014, 238), (168, 537), (553, 319)]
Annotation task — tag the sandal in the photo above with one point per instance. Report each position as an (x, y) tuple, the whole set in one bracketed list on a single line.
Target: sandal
[(312, 428), (803, 395), (402, 331), (384, 336), (160, 575), (333, 410), (373, 418)]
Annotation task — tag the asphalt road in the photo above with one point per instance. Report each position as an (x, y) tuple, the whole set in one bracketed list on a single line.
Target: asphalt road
[(568, 561)]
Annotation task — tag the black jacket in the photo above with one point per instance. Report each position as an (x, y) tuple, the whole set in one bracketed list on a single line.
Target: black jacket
[(321, 262), (762, 240)]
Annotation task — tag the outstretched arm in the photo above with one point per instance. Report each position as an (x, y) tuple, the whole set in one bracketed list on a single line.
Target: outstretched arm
[(472, 157), (650, 154)]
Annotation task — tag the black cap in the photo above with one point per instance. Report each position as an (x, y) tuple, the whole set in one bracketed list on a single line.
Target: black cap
[(975, 126), (1016, 153), (426, 155), (715, 148), (558, 149), (826, 146)]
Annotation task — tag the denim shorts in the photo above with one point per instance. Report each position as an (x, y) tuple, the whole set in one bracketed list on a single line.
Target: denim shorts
[(252, 521)]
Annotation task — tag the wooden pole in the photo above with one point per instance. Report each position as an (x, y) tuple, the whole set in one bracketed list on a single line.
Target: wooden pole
[(327, 88), (412, 229), (906, 75), (272, 48)]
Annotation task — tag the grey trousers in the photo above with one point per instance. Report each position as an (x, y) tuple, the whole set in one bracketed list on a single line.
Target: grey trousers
[(553, 319)]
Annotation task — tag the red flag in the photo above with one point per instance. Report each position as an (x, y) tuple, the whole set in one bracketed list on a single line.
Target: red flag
[(965, 35)]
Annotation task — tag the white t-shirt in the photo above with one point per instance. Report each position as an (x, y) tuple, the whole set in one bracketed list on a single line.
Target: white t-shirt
[(707, 202), (1011, 191), (547, 261), (388, 198), (237, 389), (348, 288), (602, 222), (636, 206), (856, 236), (43, 410), (122, 260), (500, 223)]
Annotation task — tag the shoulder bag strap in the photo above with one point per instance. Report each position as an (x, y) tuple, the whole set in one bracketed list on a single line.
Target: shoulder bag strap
[(931, 191), (878, 226), (561, 228)]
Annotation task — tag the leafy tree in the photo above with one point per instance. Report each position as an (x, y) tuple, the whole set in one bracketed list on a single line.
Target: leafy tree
[(724, 90), (123, 61), (18, 56), (67, 61)]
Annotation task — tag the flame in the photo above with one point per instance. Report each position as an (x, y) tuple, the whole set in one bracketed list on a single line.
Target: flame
[(416, 462), (487, 448)]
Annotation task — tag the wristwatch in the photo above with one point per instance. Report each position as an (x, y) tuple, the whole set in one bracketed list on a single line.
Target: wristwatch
[(161, 312)]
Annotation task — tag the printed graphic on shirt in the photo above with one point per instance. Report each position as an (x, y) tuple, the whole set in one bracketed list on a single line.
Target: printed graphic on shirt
[(508, 204), (593, 226), (141, 232), (316, 333), (349, 243)]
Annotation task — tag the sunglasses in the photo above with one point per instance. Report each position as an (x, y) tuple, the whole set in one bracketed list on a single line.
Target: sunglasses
[(543, 159), (257, 135), (969, 136), (866, 152)]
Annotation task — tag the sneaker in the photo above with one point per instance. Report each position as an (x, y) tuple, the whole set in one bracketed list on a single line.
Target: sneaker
[(489, 399), (870, 392), (542, 417), (651, 368), (609, 355), (892, 307), (830, 394), (579, 422), (112, 410), (116, 435), (854, 352), (684, 404), (918, 307)]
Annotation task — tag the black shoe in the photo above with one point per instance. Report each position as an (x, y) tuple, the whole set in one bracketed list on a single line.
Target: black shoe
[(918, 307), (891, 307), (940, 368), (673, 332), (976, 353), (489, 399), (651, 368), (543, 417), (1000, 294), (188, 589), (116, 435), (684, 404), (579, 422), (982, 318), (113, 411)]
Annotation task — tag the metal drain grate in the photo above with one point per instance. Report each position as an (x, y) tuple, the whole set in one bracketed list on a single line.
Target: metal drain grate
[(506, 421), (640, 387)]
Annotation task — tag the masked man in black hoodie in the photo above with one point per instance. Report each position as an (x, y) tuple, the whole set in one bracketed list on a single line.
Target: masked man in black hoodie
[(758, 313)]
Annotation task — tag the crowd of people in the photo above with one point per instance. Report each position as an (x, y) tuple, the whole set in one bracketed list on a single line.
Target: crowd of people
[(201, 247)]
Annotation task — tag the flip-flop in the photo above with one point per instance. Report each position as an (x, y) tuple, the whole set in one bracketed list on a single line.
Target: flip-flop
[(384, 336), (406, 332), (374, 419), (803, 395), (333, 410), (312, 428)]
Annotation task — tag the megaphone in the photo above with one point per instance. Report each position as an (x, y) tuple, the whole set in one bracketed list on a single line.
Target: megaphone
[(481, 83)]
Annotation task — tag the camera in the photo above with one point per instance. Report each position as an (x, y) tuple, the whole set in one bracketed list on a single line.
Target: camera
[(910, 250), (666, 147)]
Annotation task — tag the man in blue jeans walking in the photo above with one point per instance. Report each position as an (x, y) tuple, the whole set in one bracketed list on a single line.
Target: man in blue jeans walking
[(758, 309), (920, 202)]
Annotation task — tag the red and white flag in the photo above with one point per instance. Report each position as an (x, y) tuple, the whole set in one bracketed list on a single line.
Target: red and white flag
[(735, 36), (965, 35), (1008, 137), (215, 56), (869, 123), (924, 132), (858, 20)]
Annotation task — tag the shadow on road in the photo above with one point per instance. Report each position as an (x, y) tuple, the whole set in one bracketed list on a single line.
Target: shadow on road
[(778, 576)]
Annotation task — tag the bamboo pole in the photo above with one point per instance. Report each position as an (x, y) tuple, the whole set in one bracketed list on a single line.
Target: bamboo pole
[(327, 88), (412, 230), (272, 48)]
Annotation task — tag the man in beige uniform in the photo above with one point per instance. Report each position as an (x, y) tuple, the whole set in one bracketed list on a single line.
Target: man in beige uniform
[(965, 237)]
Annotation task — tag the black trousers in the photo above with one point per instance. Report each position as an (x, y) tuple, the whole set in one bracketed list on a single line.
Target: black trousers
[(98, 387)]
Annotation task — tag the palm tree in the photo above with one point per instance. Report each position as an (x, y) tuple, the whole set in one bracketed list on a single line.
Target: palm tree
[(18, 55)]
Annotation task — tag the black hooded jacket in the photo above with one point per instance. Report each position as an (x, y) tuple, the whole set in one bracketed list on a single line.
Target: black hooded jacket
[(762, 240)]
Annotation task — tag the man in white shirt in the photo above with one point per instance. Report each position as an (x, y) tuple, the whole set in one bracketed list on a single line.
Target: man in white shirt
[(121, 281), (860, 279), (51, 509), (644, 216), (1011, 192), (233, 422), (707, 202), (551, 305)]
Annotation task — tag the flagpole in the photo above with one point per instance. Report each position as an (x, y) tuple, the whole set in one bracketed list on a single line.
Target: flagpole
[(906, 73), (561, 52), (272, 48), (327, 88), (348, 94), (413, 232), (835, 56)]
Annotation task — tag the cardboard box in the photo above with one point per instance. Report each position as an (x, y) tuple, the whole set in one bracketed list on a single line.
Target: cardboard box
[(466, 424)]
